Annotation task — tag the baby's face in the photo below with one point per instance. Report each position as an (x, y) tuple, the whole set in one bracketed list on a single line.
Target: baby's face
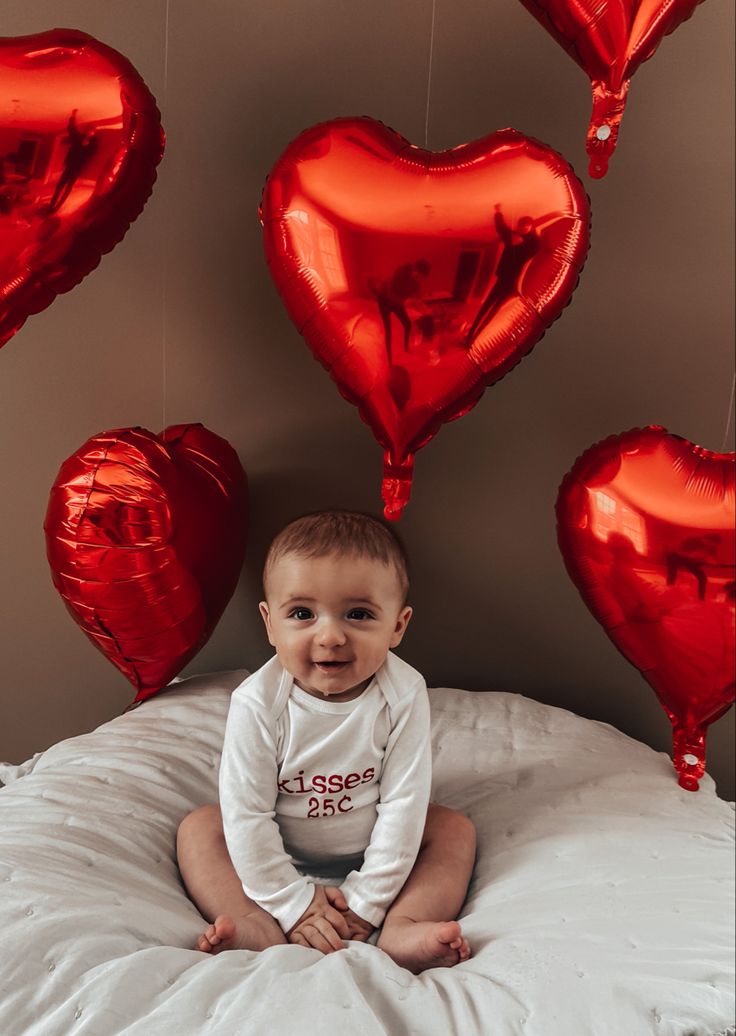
[(333, 620)]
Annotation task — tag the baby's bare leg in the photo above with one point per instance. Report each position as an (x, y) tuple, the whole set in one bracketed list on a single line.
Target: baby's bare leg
[(420, 930), (210, 879)]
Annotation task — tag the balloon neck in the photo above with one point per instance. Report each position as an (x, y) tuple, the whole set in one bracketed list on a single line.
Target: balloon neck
[(608, 110), (396, 486), (688, 754)]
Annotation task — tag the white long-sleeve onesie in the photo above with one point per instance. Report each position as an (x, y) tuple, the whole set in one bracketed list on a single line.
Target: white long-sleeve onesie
[(311, 780)]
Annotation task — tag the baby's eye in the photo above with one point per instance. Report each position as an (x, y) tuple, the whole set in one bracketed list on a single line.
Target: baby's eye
[(360, 613), (300, 613)]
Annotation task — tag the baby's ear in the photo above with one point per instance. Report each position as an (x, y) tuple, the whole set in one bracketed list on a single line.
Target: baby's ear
[(401, 623), (266, 616)]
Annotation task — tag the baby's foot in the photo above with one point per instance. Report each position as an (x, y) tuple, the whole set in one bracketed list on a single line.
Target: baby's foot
[(222, 935), (255, 931), (420, 945)]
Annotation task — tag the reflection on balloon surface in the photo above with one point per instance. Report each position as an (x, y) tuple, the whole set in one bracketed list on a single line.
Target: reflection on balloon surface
[(417, 279), (609, 39), (646, 530), (80, 138), (145, 537)]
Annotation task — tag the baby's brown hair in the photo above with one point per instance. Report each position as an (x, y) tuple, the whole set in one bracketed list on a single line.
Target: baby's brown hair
[(344, 533)]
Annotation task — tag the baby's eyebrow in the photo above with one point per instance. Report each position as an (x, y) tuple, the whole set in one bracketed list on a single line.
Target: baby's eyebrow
[(362, 602), (348, 602)]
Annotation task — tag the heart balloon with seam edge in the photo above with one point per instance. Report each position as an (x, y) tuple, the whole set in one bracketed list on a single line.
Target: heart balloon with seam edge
[(145, 537), (80, 139), (418, 278), (645, 524)]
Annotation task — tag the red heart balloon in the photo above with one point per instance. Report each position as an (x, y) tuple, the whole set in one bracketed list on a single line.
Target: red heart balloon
[(646, 530), (417, 278), (609, 39), (80, 139), (145, 537)]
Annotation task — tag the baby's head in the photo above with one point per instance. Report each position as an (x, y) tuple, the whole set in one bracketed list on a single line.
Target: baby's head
[(335, 584)]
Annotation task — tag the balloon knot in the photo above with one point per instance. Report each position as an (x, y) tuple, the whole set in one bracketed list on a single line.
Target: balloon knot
[(605, 121), (688, 753), (396, 487)]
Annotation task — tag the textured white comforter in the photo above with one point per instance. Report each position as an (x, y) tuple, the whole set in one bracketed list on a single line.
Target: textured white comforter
[(601, 904)]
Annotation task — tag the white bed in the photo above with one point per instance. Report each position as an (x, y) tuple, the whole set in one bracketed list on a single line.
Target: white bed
[(601, 903)]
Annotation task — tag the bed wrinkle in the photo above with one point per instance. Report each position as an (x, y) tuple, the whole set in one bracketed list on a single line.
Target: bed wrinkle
[(149, 772), (504, 987), (369, 969)]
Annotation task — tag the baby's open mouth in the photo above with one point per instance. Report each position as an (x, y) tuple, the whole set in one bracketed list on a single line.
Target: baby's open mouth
[(330, 665)]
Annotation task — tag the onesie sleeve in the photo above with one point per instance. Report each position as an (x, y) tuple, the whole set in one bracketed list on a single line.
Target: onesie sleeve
[(401, 812), (248, 791)]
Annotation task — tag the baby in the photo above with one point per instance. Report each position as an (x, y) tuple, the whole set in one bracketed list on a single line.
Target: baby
[(326, 769)]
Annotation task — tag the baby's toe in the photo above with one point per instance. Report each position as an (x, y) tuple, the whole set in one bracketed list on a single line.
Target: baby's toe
[(448, 932)]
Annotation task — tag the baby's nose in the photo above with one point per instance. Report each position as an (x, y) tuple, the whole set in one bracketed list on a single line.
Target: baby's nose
[(330, 632)]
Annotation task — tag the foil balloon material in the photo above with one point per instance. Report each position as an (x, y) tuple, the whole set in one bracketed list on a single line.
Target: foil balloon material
[(145, 537), (609, 39), (646, 531), (80, 139), (419, 278)]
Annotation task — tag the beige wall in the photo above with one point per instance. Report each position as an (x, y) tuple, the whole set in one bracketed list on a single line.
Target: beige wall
[(647, 339)]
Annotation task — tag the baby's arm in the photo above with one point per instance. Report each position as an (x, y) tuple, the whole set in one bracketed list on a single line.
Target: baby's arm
[(248, 791), (402, 812)]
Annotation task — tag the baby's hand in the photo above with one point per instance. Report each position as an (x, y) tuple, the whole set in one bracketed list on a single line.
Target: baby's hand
[(321, 926), (360, 930)]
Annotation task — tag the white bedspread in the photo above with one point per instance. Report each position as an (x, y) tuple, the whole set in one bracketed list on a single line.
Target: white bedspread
[(601, 904)]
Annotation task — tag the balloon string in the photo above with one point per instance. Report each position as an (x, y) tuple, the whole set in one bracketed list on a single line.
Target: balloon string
[(429, 75), (730, 415), (165, 250)]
